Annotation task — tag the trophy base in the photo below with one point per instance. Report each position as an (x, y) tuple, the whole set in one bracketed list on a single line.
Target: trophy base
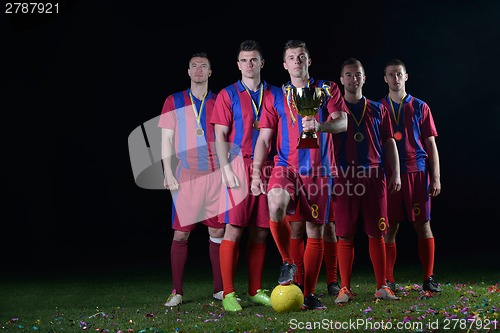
[(308, 142)]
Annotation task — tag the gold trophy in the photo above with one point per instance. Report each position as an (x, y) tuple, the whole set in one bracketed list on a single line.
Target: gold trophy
[(307, 102)]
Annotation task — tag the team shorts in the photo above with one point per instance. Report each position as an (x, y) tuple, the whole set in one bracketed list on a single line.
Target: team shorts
[(311, 193), (297, 216), (196, 200), (238, 206), (361, 200), (412, 202)]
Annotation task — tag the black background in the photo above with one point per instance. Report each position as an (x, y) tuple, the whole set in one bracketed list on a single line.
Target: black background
[(76, 84)]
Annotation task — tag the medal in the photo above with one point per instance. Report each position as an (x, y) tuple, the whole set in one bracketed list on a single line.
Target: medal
[(358, 136), (398, 136), (199, 130), (256, 107), (256, 125)]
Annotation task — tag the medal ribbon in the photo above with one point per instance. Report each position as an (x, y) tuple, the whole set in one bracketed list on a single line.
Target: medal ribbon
[(256, 108), (362, 114), (396, 118), (196, 113)]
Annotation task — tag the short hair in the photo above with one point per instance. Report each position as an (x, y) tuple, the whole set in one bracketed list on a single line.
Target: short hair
[(250, 45), (295, 44), (394, 62), (349, 62), (200, 55)]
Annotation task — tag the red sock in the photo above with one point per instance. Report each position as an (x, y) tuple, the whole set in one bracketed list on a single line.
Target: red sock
[(256, 253), (282, 233), (228, 259), (345, 250), (215, 260), (297, 252), (390, 261), (330, 257), (426, 254), (178, 258), (313, 256), (376, 248)]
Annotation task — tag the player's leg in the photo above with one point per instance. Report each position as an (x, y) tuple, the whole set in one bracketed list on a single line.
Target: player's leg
[(256, 254), (229, 254), (297, 245), (426, 250), (421, 217), (215, 240), (396, 212), (282, 185), (178, 259), (330, 256)]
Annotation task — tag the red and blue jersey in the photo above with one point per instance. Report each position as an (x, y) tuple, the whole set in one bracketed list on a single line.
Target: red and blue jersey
[(368, 128), (412, 123), (277, 114), (238, 109), (194, 151)]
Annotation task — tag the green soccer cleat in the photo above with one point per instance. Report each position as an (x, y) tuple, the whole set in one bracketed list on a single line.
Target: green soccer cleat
[(230, 303), (261, 298)]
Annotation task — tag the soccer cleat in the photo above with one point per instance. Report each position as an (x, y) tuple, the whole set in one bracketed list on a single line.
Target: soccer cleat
[(261, 298), (391, 285), (385, 292), (174, 299), (218, 296), (230, 303), (287, 271), (344, 295), (311, 302), (431, 285), (333, 288)]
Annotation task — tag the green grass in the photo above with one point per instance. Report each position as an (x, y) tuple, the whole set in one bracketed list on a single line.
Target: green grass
[(131, 301)]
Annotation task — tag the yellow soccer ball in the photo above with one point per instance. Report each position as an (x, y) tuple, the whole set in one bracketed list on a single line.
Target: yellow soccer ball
[(287, 298)]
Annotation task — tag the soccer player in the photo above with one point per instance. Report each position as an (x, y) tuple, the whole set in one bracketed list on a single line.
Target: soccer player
[(188, 135), (300, 175), (236, 118), (415, 133), (360, 187)]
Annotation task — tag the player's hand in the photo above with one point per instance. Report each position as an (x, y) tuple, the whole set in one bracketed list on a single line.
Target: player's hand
[(310, 124), (170, 183), (229, 178), (434, 187), (394, 184), (257, 187)]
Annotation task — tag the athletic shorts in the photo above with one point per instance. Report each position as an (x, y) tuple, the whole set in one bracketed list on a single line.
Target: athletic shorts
[(412, 202), (196, 200), (361, 200), (312, 194), (237, 205), (297, 217)]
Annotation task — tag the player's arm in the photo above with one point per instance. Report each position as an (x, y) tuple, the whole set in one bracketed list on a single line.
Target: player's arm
[(336, 123), (229, 179), (391, 151), (167, 151), (432, 152), (261, 150)]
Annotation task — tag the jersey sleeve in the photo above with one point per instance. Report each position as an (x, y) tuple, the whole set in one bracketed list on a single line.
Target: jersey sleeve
[(427, 126), (269, 116), (223, 114), (168, 117), (336, 102), (386, 130)]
